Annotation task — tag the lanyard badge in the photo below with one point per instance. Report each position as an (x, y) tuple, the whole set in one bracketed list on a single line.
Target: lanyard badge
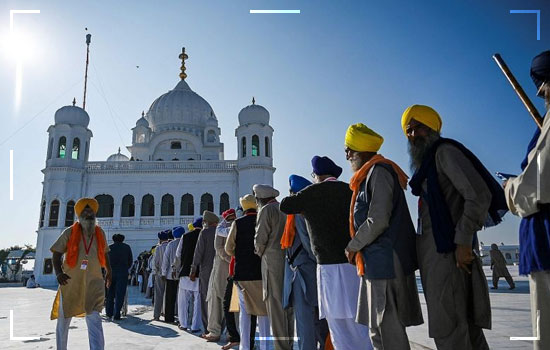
[(84, 264)]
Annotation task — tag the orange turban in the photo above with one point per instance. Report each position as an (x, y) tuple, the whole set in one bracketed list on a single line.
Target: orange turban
[(83, 202)]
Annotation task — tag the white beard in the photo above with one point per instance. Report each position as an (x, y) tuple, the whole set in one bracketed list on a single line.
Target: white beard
[(88, 225)]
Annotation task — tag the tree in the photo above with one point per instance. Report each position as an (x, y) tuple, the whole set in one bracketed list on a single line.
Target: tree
[(14, 268)]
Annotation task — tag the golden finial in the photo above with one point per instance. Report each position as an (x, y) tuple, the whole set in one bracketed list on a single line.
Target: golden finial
[(253, 100), (142, 114), (74, 101), (183, 56)]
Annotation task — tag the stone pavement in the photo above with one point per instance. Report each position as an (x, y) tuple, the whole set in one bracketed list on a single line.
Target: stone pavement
[(511, 317)]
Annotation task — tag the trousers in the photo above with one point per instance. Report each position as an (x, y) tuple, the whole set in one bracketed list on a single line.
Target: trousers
[(539, 285), (245, 326), (346, 334), (186, 297), (160, 285), (93, 322), (116, 294), (171, 294), (232, 331)]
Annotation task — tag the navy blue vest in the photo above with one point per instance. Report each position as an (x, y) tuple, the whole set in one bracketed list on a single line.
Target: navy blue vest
[(247, 263), (400, 236)]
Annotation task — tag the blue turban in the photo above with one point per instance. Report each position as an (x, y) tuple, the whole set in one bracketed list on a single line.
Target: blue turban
[(163, 235), (298, 183), (178, 231), (540, 68), (197, 223), (325, 166)]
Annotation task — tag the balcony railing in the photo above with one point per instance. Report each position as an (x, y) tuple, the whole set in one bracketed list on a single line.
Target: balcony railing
[(160, 166)]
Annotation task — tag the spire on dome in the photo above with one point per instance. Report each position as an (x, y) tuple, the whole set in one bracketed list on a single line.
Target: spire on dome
[(119, 150), (142, 114), (74, 101), (253, 100), (183, 56)]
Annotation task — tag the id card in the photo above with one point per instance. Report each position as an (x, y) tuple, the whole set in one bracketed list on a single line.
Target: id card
[(84, 265)]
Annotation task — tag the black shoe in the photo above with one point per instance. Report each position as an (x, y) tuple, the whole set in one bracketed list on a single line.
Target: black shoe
[(512, 287)]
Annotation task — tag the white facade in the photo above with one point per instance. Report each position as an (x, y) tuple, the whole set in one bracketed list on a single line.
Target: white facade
[(175, 171)]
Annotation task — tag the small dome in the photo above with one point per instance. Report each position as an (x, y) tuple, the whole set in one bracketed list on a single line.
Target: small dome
[(72, 115), (253, 114), (142, 122), (118, 157)]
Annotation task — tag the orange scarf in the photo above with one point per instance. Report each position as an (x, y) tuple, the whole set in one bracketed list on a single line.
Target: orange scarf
[(355, 184), (290, 231), (71, 256)]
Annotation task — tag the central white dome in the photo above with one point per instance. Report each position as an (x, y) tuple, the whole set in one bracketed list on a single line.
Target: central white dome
[(177, 108)]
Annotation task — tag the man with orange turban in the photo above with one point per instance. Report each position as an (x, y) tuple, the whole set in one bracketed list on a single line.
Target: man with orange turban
[(457, 197), (383, 242), (81, 286)]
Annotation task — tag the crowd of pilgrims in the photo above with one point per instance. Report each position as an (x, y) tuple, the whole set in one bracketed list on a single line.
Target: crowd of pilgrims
[(332, 266)]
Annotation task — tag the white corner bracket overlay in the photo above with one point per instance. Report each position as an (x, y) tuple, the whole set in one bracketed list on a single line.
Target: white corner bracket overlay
[(18, 338), (537, 334)]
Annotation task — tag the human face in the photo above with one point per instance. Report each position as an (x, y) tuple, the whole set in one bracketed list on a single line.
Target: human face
[(87, 213), (416, 130), (230, 218), (354, 158)]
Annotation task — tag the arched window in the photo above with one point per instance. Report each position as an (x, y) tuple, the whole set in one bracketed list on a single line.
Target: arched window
[(224, 202), (76, 148), (243, 146), (167, 205), (69, 214), (62, 147), (508, 256), (267, 146), (187, 206), (255, 146), (106, 206), (128, 206), (211, 136), (50, 146), (207, 203), (54, 213), (42, 213), (148, 205)]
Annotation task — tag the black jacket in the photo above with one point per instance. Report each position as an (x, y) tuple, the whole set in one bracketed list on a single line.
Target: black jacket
[(120, 256), (188, 241)]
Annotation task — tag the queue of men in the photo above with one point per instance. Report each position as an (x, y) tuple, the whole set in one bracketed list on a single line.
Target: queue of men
[(333, 264)]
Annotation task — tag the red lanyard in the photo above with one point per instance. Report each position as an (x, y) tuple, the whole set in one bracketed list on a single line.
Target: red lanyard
[(87, 249)]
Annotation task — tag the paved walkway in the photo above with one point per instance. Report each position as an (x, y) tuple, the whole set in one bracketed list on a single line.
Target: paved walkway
[(31, 307)]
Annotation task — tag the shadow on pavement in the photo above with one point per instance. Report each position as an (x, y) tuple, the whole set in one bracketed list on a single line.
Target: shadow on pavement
[(145, 327)]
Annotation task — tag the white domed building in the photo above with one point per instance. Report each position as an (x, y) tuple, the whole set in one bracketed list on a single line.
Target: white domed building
[(175, 170)]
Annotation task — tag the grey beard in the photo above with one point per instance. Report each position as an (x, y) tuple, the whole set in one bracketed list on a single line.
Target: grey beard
[(419, 149), (88, 225)]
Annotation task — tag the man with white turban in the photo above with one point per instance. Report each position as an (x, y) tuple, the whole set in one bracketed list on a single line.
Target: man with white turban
[(383, 242), (81, 286), (457, 197), (270, 225)]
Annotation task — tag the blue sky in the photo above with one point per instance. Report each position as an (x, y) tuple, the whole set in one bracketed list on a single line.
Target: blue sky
[(336, 63)]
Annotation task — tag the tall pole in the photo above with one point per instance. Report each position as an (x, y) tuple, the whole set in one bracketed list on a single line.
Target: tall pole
[(88, 40)]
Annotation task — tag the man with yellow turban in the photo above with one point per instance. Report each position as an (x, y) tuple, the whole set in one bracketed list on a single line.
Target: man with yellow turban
[(81, 286), (383, 242), (457, 197)]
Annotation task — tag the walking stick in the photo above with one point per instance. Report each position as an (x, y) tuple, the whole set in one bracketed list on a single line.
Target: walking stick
[(519, 90)]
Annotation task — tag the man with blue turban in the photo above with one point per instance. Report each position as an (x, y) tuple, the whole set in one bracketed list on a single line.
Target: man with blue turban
[(528, 196), (172, 278), (188, 290), (325, 206), (300, 282), (159, 282)]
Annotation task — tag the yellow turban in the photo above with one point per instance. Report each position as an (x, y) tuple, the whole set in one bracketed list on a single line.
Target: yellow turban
[(424, 114), (248, 202), (190, 227), (83, 202), (362, 139)]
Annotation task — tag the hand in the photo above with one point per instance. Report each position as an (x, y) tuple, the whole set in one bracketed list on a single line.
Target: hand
[(464, 257), (350, 256), (192, 277), (174, 274), (63, 278), (108, 279)]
